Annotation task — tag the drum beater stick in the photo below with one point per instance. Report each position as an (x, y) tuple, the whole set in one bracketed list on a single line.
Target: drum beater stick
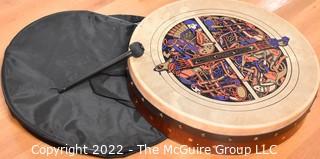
[(135, 49)]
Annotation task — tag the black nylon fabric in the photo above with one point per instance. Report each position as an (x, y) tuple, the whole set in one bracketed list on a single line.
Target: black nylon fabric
[(55, 51)]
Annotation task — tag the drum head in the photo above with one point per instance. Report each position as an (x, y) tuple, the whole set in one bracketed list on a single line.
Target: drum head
[(98, 114), (225, 67)]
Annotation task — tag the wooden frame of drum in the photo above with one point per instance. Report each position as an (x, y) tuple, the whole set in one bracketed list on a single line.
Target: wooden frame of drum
[(222, 72)]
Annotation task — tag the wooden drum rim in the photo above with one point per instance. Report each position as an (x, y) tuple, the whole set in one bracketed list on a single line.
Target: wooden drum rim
[(248, 118), (190, 136)]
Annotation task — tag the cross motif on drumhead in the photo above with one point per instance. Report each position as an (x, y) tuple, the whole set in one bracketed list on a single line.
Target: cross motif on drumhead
[(224, 58)]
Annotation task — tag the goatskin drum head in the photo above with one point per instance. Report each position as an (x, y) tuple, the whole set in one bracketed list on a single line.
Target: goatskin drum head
[(225, 67)]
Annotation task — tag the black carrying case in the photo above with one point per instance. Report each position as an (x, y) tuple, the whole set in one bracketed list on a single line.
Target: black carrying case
[(55, 51)]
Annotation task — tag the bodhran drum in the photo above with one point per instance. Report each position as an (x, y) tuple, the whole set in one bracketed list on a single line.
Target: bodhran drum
[(222, 72)]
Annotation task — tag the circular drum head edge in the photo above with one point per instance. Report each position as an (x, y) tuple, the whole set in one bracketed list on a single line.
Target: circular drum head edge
[(262, 115)]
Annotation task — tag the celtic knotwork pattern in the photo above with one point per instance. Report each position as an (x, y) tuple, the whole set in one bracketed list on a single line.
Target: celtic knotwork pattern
[(201, 56)]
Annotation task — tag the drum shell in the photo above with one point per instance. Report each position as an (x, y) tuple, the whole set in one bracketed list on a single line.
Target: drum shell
[(193, 137)]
